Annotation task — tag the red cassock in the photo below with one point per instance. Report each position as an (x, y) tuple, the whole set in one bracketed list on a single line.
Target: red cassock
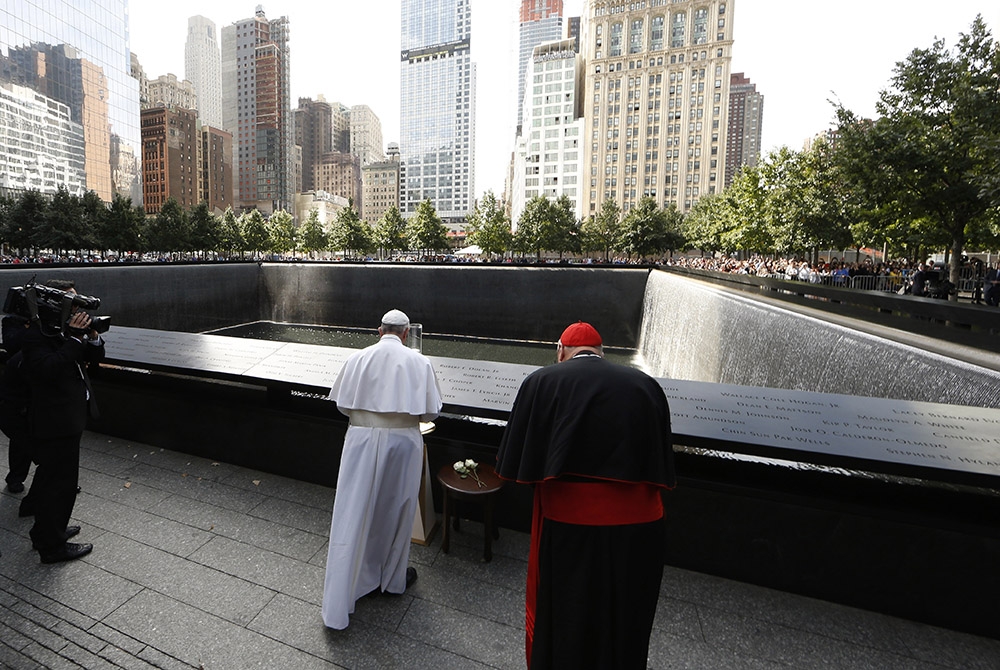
[(594, 440)]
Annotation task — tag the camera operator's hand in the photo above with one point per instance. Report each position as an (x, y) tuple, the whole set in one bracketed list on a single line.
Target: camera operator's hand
[(79, 325)]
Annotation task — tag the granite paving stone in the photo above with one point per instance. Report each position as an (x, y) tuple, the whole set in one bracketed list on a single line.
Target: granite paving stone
[(509, 573), (361, 646), (145, 527), (182, 483), (470, 595), (10, 658), (250, 530), (283, 488), (226, 571), (474, 637), (185, 580), (121, 489), (201, 639), (271, 570), (303, 517)]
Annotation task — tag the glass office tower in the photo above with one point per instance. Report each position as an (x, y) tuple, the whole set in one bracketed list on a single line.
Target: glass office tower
[(438, 108), (59, 59)]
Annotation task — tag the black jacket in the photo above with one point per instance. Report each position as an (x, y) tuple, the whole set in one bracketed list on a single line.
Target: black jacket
[(53, 368)]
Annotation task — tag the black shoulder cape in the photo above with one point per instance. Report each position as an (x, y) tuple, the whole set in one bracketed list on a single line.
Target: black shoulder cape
[(589, 418)]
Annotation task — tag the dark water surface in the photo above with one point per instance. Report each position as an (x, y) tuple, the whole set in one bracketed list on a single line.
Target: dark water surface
[(449, 346)]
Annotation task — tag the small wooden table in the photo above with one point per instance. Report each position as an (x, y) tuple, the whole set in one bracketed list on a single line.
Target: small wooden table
[(456, 489)]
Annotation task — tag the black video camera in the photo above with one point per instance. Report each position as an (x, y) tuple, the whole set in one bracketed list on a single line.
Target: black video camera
[(52, 307)]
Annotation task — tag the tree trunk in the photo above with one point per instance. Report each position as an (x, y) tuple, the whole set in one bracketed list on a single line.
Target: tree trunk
[(957, 244)]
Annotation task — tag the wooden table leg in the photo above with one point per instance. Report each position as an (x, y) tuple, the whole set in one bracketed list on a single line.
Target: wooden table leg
[(488, 529), (447, 513)]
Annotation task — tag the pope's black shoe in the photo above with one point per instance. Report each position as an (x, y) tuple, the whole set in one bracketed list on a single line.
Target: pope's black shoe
[(71, 531), (67, 552), (15, 487), (411, 576)]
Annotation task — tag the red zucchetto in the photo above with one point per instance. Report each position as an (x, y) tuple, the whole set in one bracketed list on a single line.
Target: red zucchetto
[(580, 334)]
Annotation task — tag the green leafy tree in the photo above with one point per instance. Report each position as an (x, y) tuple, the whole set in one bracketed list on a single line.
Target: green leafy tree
[(390, 231), (644, 230), (350, 233), (533, 226), (206, 229), (121, 228), (170, 230), (425, 232), (312, 237), (231, 234), (281, 232), (256, 238), (94, 212), (62, 226), (602, 233), (563, 233), (932, 153), (26, 214), (489, 226)]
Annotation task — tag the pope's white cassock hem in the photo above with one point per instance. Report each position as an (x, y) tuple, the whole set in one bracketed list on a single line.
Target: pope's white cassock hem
[(387, 389), (373, 519)]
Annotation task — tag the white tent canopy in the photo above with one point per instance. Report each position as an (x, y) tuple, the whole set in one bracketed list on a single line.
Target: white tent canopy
[(472, 250)]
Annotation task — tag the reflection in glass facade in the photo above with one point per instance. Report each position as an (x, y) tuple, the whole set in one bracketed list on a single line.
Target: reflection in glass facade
[(437, 108), (72, 55)]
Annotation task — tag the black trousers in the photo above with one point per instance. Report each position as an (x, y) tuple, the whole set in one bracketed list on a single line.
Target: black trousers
[(53, 490), (15, 426)]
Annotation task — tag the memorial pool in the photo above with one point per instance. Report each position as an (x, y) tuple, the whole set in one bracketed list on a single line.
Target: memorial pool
[(448, 346)]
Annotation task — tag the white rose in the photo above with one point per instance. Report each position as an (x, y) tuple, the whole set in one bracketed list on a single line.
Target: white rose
[(470, 463)]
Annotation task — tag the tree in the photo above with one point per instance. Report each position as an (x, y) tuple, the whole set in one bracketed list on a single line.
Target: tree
[(563, 233), (644, 230), (62, 226), (603, 232), (350, 233), (281, 232), (93, 212), (931, 154), (532, 227), (231, 234), (25, 216), (206, 231), (489, 226), (121, 228), (390, 231), (255, 233), (312, 237), (425, 230), (170, 229)]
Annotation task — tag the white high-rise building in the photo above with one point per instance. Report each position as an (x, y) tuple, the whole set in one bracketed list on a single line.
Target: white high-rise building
[(203, 68), (366, 135), (541, 21), (438, 108), (548, 160)]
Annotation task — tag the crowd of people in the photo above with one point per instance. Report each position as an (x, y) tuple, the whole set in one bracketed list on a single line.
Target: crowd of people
[(835, 271)]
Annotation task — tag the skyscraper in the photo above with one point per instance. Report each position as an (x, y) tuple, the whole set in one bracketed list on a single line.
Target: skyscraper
[(313, 127), (540, 21), (438, 107), (657, 91), (74, 56), (203, 68), (746, 111), (257, 110), (548, 159), (366, 135), (167, 91)]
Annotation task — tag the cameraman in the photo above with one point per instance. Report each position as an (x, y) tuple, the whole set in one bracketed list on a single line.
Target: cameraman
[(55, 368)]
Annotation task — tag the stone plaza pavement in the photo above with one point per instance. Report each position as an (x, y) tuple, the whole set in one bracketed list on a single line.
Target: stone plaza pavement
[(208, 565)]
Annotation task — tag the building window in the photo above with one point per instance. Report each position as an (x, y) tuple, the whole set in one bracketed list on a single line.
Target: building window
[(700, 32), (616, 40), (635, 37), (656, 34), (677, 31)]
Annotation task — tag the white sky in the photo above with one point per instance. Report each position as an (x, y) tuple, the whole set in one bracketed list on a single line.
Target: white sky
[(800, 55)]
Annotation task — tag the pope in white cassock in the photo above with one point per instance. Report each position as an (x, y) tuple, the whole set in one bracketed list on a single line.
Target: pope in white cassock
[(386, 390)]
